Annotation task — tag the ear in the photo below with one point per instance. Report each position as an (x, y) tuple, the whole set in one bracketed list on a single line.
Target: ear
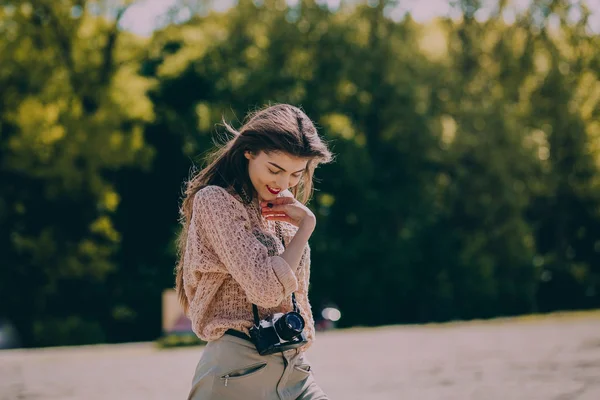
[(248, 154)]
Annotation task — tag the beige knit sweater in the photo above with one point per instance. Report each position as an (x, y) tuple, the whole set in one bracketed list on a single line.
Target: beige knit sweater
[(231, 261)]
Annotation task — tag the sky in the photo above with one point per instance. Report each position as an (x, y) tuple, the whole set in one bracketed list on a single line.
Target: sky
[(144, 16)]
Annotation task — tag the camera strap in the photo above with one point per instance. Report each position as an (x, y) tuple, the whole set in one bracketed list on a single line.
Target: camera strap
[(294, 304)]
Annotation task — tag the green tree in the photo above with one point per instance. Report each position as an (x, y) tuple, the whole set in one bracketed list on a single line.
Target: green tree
[(565, 108), (72, 110)]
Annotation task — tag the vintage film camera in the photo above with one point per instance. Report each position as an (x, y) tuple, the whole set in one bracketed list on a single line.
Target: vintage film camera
[(279, 332)]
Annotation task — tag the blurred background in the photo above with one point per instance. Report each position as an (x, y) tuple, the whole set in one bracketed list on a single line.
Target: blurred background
[(467, 135)]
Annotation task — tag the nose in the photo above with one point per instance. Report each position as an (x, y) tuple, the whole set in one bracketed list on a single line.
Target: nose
[(283, 182)]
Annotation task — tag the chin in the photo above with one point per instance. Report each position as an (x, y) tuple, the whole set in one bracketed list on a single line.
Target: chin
[(269, 196)]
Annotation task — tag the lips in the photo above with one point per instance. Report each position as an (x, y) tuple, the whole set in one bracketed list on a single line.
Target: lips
[(273, 191)]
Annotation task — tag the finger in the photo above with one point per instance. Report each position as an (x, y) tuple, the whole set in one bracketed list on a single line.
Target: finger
[(287, 193), (278, 200), (272, 204), (285, 200), (277, 217), (271, 213), (277, 207)]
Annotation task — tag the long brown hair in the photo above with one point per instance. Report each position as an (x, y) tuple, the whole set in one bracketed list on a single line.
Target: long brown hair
[(278, 128)]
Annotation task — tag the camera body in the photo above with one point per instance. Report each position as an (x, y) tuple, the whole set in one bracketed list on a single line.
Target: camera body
[(278, 333)]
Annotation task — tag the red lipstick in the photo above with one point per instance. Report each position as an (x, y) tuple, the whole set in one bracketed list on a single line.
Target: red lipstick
[(273, 191)]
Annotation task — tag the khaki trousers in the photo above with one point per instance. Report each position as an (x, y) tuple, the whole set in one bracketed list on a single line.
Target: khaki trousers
[(230, 368)]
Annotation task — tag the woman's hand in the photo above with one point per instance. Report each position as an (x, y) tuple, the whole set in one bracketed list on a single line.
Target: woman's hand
[(288, 209)]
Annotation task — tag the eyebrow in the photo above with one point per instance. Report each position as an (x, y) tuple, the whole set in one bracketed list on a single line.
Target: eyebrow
[(275, 165)]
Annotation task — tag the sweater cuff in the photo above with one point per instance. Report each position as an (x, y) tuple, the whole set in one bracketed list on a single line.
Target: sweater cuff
[(285, 275)]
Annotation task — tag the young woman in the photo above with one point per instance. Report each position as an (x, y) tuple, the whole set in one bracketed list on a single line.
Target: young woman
[(245, 260)]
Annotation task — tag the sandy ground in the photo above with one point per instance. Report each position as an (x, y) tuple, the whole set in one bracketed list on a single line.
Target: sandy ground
[(544, 358)]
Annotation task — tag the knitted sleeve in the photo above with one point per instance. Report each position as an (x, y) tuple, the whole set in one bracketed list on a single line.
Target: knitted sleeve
[(302, 298), (225, 222), (303, 274)]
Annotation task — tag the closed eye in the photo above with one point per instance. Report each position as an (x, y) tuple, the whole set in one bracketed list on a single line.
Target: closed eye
[(274, 172)]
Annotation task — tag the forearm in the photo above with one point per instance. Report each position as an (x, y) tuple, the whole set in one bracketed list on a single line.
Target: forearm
[(294, 250)]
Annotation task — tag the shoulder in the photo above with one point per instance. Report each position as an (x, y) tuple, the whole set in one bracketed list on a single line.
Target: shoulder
[(215, 197), (213, 191)]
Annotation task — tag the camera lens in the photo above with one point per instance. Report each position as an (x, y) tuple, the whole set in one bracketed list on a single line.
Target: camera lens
[(295, 322), (289, 325)]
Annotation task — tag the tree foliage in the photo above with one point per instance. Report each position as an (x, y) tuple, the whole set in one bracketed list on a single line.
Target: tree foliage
[(465, 185)]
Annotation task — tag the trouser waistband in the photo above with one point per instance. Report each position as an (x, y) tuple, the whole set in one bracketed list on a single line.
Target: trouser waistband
[(238, 334)]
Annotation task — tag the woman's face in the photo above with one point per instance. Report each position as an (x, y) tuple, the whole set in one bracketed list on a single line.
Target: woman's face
[(274, 172)]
